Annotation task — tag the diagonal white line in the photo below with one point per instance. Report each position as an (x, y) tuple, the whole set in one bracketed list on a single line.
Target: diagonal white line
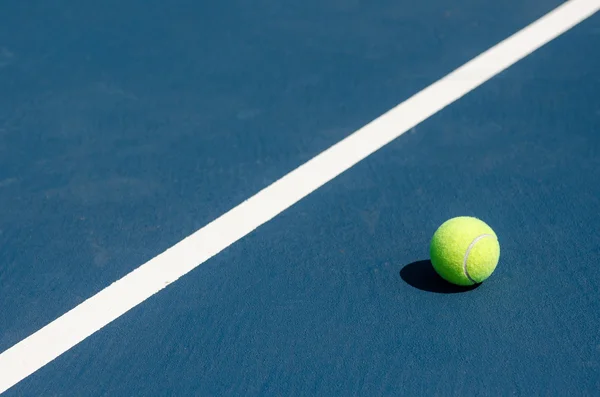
[(40, 348)]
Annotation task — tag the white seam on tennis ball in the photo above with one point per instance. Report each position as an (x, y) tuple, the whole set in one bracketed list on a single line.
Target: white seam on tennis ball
[(466, 271)]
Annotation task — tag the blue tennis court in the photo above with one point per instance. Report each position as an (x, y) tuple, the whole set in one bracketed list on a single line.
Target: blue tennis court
[(236, 198)]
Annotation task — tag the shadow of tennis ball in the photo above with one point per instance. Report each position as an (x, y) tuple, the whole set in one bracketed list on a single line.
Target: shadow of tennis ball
[(422, 275)]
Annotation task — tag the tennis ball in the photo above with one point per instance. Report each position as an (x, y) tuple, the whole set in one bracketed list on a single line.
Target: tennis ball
[(464, 251)]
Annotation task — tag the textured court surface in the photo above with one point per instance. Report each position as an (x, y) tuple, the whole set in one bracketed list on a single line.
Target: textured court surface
[(126, 126)]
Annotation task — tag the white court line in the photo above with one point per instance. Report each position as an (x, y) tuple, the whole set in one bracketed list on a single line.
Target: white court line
[(32, 353)]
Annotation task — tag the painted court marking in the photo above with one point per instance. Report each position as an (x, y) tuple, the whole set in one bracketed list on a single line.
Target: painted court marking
[(37, 350)]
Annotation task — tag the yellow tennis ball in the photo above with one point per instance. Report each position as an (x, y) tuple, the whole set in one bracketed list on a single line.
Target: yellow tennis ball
[(464, 251)]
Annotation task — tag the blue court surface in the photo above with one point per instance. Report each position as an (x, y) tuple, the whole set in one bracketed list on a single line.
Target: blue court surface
[(126, 126)]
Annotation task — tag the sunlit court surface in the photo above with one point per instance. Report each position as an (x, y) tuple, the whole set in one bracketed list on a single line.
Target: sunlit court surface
[(235, 198)]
